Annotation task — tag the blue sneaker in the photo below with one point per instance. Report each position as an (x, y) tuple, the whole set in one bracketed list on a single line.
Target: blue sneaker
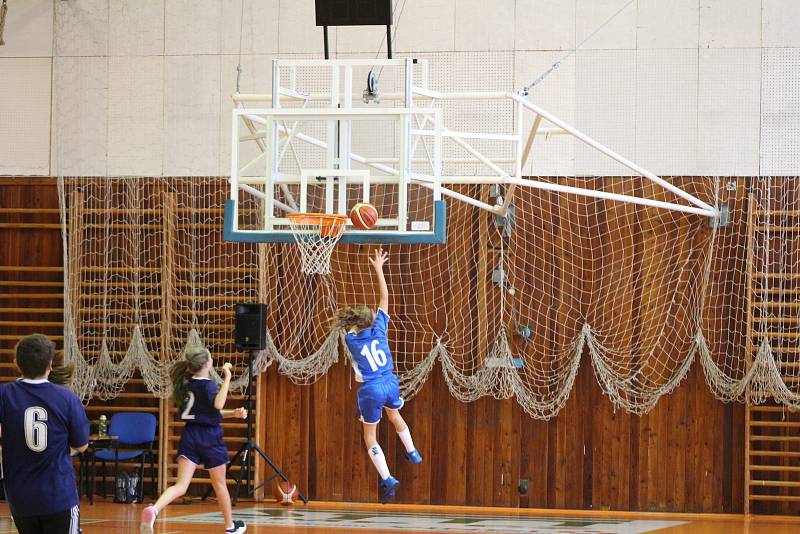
[(388, 489), (414, 456)]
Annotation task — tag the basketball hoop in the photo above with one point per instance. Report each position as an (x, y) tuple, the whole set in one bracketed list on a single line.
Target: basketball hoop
[(316, 234)]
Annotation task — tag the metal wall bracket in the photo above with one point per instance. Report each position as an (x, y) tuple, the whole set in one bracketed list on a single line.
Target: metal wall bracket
[(507, 222), (500, 277), (722, 220)]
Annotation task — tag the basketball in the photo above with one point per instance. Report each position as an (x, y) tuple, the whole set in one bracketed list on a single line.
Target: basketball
[(285, 492), (364, 216)]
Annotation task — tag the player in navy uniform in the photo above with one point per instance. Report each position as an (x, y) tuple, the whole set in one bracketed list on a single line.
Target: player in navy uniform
[(200, 404), (369, 348), (41, 422)]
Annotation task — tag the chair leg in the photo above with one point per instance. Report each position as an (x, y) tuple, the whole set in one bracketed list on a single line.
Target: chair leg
[(141, 480), (80, 475), (92, 477), (103, 477), (153, 475), (116, 474)]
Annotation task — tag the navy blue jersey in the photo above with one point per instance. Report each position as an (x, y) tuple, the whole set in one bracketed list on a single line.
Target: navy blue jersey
[(369, 349), (40, 422), (198, 408)]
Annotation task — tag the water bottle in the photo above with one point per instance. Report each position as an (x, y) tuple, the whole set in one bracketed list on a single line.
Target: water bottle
[(102, 428)]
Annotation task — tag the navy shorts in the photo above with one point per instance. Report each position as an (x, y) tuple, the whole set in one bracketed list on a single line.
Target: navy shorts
[(203, 445), (374, 395)]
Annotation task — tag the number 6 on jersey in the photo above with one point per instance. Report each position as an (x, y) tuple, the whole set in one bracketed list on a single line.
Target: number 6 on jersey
[(35, 428)]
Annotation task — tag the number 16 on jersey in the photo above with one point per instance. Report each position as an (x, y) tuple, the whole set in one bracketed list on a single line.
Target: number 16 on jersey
[(375, 356)]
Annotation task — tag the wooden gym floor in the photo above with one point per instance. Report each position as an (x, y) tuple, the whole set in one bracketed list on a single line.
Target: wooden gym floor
[(110, 518)]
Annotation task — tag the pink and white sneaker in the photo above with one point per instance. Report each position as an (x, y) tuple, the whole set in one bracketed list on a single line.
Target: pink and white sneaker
[(149, 515)]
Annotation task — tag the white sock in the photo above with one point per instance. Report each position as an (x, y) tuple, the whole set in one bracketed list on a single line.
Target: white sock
[(376, 455), (405, 437)]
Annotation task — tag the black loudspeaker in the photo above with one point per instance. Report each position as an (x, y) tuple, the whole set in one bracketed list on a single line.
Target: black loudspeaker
[(251, 326)]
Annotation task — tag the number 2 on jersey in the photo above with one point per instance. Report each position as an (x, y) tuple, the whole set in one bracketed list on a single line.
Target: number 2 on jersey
[(375, 356), (186, 416)]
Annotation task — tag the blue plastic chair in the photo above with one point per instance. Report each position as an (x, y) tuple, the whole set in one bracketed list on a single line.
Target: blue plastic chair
[(136, 432)]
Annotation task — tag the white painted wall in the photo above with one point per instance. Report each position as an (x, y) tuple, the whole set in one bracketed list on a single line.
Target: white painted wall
[(143, 87)]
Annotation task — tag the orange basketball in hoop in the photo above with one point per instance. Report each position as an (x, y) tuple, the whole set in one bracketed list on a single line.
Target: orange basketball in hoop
[(364, 216), (285, 492)]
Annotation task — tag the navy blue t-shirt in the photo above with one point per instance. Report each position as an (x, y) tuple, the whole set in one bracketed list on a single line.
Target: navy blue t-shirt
[(198, 408), (369, 349), (40, 422)]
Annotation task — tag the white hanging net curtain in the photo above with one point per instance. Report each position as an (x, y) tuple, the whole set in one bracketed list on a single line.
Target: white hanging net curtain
[(755, 274), (639, 291)]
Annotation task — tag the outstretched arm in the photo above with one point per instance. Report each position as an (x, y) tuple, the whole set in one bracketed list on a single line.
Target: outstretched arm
[(237, 413), (377, 264), (222, 394)]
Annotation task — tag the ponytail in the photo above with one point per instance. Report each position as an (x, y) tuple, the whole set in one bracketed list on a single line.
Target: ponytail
[(61, 374), (351, 316), (194, 358), (177, 375)]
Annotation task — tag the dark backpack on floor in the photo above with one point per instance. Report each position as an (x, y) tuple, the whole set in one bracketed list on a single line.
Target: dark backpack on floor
[(126, 487)]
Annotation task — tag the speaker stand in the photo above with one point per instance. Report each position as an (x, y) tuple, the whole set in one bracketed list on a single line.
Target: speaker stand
[(244, 456)]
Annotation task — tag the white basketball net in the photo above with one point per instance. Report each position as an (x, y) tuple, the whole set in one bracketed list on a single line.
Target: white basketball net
[(316, 235)]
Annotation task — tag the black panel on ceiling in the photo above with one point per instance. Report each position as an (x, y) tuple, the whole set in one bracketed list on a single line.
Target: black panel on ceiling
[(354, 12)]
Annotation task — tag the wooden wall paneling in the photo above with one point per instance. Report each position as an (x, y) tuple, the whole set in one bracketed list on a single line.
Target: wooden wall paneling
[(292, 291), (333, 395), (353, 462), (642, 427), (662, 441), (773, 433), (499, 316), (613, 315), (480, 456), (506, 476), (533, 302), (630, 462), (164, 431), (336, 406), (270, 410), (263, 471), (695, 473), (415, 480), (342, 435), (701, 467), (733, 461), (166, 308), (454, 481), (735, 412), (325, 397), (291, 402), (729, 276), (554, 430), (575, 258), (446, 452), (402, 273), (30, 273), (74, 239), (705, 468)]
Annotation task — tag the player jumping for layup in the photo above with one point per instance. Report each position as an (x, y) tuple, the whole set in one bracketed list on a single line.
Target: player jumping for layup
[(369, 348)]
